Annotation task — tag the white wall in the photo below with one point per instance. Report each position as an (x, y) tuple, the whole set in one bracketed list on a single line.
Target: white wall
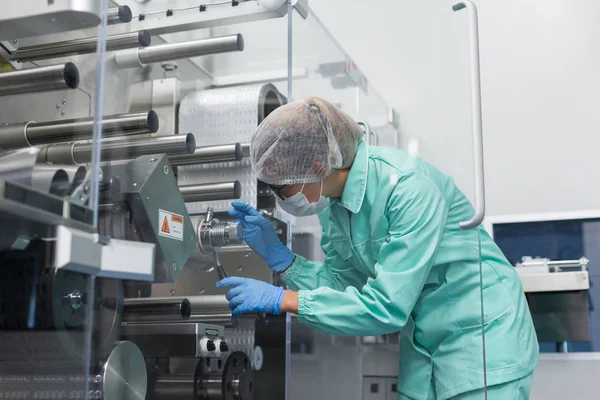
[(540, 72)]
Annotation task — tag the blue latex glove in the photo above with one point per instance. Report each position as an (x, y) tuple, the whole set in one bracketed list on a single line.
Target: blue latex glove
[(261, 237), (250, 295)]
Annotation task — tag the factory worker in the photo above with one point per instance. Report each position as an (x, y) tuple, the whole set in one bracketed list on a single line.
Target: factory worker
[(395, 258)]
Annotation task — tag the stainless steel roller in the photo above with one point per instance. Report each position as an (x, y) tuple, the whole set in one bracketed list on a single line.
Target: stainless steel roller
[(40, 79), (80, 46), (81, 153), (209, 155), (16, 136), (211, 191), (156, 309), (140, 57), (212, 309), (118, 15)]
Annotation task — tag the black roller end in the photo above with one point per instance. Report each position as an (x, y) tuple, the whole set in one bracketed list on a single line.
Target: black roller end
[(240, 42), (59, 185), (186, 309), (71, 75), (125, 14), (237, 190), (239, 152), (152, 121), (144, 38), (190, 143)]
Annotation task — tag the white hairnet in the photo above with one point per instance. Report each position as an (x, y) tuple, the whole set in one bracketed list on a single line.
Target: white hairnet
[(303, 141)]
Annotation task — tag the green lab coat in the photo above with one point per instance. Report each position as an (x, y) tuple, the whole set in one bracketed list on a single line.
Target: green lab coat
[(397, 259)]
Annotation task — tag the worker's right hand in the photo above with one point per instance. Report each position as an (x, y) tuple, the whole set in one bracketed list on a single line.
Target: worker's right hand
[(261, 237)]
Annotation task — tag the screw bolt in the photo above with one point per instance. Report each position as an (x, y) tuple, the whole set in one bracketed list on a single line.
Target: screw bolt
[(174, 267)]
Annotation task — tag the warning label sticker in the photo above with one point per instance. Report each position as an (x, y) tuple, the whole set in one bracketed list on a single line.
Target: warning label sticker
[(170, 225)]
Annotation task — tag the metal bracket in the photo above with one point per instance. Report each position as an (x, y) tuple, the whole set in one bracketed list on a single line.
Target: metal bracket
[(302, 7), (81, 194), (92, 254), (6, 49), (246, 11)]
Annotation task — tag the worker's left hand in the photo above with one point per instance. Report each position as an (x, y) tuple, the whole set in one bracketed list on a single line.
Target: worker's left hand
[(250, 295)]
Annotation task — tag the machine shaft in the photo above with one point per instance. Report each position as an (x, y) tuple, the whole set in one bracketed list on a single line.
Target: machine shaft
[(210, 309), (118, 15), (133, 58), (16, 136), (80, 153), (41, 79), (156, 309), (211, 191), (209, 154), (81, 46)]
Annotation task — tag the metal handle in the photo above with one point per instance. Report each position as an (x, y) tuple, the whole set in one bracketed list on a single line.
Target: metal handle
[(476, 115)]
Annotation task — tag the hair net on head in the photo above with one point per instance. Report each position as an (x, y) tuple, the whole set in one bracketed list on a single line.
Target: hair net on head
[(303, 141)]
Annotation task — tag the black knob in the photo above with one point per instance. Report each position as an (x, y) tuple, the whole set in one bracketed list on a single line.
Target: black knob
[(223, 347), (210, 346)]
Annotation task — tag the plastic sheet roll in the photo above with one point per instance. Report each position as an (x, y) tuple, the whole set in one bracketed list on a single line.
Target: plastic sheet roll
[(224, 116)]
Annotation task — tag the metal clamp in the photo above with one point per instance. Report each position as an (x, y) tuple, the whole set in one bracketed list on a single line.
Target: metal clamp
[(476, 113)]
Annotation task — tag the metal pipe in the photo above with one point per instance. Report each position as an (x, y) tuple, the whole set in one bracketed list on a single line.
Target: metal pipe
[(117, 15), (40, 79), (211, 191), (80, 153), (133, 58), (19, 135), (209, 154), (81, 46), (156, 309), (210, 309)]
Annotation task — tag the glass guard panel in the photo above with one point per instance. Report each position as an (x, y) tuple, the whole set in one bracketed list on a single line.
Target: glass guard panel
[(51, 64)]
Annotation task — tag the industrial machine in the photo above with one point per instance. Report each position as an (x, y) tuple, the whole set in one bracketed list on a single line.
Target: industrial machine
[(124, 136)]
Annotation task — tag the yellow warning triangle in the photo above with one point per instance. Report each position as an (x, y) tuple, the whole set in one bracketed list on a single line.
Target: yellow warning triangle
[(165, 226)]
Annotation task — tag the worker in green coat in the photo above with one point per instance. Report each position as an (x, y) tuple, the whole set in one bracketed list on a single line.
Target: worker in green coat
[(395, 258)]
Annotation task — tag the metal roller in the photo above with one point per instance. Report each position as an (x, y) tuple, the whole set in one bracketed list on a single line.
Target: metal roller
[(40, 79), (81, 46), (51, 180), (118, 15), (156, 309), (16, 136), (210, 309), (210, 154), (80, 153), (140, 57), (211, 191)]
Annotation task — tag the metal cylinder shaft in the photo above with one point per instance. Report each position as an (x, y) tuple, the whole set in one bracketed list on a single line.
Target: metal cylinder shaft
[(80, 153), (173, 387), (210, 309), (209, 155), (156, 309), (133, 58), (167, 52), (118, 15), (81, 46), (15, 136), (211, 191), (40, 79)]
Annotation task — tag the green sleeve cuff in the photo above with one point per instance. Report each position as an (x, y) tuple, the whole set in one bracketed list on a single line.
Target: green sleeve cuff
[(304, 305), (294, 273)]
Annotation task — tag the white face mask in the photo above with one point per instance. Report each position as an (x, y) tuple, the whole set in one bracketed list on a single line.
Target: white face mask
[(299, 206)]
